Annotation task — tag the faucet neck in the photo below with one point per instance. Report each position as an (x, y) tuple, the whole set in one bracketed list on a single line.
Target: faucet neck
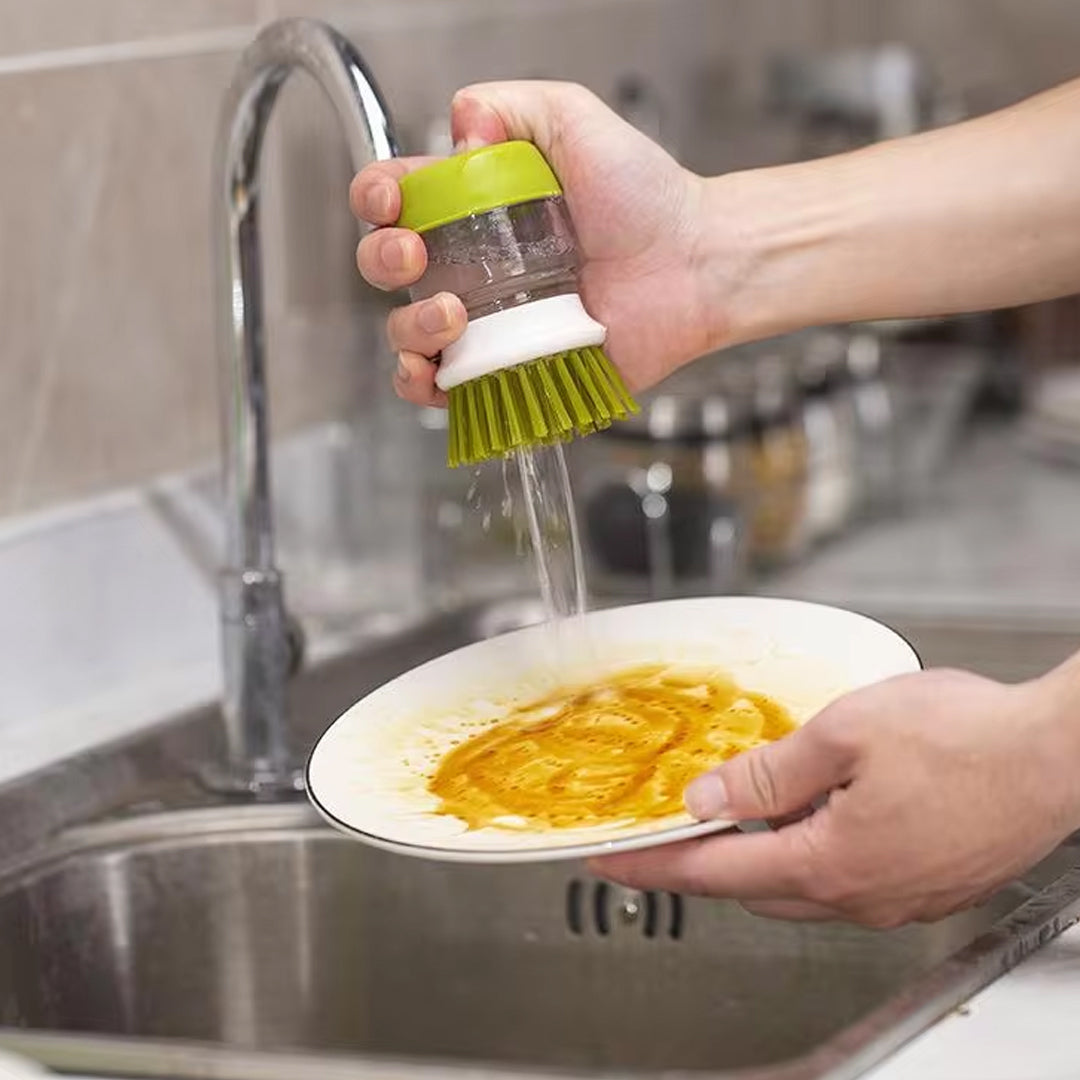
[(254, 624)]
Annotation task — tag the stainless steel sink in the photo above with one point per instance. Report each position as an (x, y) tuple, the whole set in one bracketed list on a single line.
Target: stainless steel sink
[(144, 932)]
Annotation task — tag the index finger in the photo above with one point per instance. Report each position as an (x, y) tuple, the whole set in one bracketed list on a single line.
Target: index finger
[(733, 866), (375, 194)]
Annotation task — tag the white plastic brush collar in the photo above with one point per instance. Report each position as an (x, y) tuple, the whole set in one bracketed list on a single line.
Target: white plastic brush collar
[(517, 335)]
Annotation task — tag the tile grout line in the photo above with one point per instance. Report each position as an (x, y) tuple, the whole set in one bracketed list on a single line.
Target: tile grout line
[(234, 38), (225, 40)]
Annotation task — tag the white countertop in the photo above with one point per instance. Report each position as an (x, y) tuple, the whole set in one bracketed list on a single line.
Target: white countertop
[(1023, 1027), (999, 535), (107, 626)]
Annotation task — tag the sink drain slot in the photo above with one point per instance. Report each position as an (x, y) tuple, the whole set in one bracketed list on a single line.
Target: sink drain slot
[(601, 899), (573, 907), (597, 908)]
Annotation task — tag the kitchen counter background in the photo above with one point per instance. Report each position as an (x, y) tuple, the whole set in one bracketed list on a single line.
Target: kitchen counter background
[(1000, 539)]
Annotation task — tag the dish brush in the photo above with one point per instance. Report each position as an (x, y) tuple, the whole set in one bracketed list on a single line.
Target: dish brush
[(529, 369)]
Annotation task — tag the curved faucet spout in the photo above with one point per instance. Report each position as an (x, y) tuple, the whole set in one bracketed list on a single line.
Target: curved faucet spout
[(255, 638)]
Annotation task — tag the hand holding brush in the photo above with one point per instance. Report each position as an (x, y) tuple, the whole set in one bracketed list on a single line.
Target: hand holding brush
[(632, 208)]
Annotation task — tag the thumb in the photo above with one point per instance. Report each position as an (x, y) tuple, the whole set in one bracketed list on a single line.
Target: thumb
[(475, 122), (534, 110), (775, 780)]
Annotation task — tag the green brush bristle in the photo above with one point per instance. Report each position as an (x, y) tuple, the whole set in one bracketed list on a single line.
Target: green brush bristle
[(548, 400)]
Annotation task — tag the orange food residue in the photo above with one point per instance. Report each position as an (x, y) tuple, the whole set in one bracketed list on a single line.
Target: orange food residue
[(619, 751)]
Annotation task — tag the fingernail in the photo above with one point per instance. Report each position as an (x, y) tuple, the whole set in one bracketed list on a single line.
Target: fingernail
[(377, 203), (434, 317), (403, 373), (470, 142), (396, 254), (706, 797)]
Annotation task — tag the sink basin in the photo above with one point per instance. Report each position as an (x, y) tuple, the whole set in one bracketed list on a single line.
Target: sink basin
[(259, 929), (146, 931)]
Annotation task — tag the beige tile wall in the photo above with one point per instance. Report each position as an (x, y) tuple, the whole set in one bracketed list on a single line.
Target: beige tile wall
[(106, 120), (102, 271), (33, 26), (107, 370)]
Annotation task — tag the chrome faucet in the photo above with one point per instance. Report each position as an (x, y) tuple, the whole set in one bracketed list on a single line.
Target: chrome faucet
[(258, 648)]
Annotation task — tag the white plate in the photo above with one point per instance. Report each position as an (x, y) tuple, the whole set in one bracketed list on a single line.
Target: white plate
[(367, 774)]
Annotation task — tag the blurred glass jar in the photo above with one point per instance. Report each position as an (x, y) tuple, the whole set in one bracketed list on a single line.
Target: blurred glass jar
[(779, 463), (877, 430), (831, 431), (664, 497), (934, 386)]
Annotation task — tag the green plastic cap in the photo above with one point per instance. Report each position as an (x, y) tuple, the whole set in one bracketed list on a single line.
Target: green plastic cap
[(473, 183)]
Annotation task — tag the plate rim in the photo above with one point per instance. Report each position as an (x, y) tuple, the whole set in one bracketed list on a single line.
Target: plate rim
[(580, 850), (565, 853)]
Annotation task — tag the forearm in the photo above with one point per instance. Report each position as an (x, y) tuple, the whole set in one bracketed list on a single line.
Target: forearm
[(1059, 692), (980, 215)]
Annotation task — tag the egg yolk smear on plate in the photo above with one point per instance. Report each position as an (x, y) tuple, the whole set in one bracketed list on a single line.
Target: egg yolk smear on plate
[(620, 751)]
